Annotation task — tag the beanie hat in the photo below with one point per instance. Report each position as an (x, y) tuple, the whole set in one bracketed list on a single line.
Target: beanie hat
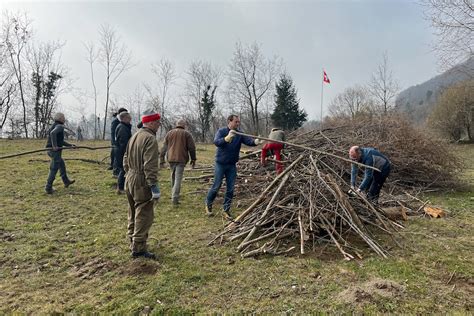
[(122, 110), (146, 118)]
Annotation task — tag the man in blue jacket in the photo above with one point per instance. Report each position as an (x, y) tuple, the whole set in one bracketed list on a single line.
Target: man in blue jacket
[(373, 180), (227, 154)]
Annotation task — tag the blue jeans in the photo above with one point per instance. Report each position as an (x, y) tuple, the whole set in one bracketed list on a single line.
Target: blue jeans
[(57, 163), (230, 174)]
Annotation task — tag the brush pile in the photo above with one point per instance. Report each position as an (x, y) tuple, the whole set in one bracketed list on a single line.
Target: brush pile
[(310, 203)]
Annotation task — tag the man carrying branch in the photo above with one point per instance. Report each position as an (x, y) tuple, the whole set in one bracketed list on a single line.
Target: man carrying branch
[(228, 145), (56, 142)]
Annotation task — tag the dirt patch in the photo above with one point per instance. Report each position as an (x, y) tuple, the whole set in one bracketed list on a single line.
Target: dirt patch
[(370, 290), (6, 236), (93, 268), (141, 267)]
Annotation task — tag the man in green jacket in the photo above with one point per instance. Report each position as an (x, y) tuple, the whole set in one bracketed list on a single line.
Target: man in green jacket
[(140, 163)]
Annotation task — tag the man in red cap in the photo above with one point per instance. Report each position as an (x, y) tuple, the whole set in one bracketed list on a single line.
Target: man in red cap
[(140, 163)]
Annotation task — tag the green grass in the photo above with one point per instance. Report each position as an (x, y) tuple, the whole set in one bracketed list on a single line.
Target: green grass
[(69, 253)]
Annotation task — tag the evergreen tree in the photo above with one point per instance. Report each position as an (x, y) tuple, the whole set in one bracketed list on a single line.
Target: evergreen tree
[(287, 114), (206, 110)]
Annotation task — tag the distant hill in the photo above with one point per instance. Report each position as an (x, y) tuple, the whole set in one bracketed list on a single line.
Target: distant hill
[(418, 101)]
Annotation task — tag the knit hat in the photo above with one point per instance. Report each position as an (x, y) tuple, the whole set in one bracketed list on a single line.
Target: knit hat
[(146, 118)]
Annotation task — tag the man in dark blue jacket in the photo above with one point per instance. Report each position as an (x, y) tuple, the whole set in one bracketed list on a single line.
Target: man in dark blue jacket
[(113, 126), (123, 133), (227, 154), (373, 180)]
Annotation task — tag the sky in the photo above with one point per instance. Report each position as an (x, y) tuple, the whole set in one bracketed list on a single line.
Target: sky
[(346, 38)]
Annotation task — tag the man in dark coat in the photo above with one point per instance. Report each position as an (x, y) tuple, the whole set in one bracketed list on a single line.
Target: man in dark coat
[(56, 142), (122, 135), (113, 126), (228, 146)]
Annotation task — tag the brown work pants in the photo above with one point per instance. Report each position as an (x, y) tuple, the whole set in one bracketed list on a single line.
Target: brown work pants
[(140, 210)]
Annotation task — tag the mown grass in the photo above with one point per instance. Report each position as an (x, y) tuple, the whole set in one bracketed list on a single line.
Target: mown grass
[(68, 253)]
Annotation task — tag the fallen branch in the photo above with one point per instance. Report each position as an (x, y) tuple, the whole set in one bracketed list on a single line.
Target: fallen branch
[(50, 149)]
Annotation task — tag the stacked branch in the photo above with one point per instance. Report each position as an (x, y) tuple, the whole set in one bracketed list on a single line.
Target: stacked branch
[(310, 203)]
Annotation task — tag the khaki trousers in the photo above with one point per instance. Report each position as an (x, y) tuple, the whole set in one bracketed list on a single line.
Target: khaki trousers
[(140, 210)]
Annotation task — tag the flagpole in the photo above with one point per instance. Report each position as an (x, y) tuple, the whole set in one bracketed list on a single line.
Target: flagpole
[(322, 90)]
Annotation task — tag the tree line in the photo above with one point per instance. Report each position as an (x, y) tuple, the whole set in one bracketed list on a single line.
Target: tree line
[(33, 78)]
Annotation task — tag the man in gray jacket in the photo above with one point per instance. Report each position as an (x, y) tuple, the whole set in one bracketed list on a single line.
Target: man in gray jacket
[(178, 146), (56, 143)]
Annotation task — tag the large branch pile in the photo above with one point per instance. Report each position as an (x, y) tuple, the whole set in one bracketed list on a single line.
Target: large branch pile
[(309, 204)]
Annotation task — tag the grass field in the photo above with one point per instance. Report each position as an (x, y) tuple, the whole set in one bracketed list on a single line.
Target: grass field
[(68, 253)]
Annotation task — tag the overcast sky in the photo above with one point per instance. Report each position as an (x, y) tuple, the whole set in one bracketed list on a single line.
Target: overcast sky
[(346, 38)]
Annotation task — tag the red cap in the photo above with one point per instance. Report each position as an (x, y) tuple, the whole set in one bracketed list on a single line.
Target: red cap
[(151, 117)]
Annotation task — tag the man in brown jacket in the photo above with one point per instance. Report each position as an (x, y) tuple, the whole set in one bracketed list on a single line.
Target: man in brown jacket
[(178, 146), (140, 163)]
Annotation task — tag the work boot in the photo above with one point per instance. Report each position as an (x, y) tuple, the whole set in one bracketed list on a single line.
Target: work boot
[(110, 168), (120, 191), (209, 210), (176, 202), (48, 190), (68, 183), (228, 216), (144, 254)]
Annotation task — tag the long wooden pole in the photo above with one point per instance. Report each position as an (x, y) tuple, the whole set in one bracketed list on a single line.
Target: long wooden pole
[(307, 148), (48, 149)]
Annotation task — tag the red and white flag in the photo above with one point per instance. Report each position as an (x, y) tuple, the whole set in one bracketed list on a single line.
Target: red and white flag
[(325, 77)]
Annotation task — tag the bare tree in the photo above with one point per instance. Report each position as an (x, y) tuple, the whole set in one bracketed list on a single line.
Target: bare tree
[(352, 102), (91, 58), (165, 73), (16, 33), (251, 75), (453, 23), (201, 78), (47, 77), (453, 115), (135, 103), (8, 87), (115, 57), (383, 87)]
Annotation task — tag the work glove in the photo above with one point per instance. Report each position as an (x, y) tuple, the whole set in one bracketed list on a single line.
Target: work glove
[(230, 136), (352, 191), (155, 192), (258, 141), (193, 163)]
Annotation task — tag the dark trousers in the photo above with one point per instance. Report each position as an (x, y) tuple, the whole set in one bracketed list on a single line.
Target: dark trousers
[(230, 174), (112, 159), (377, 182), (119, 168), (57, 163)]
